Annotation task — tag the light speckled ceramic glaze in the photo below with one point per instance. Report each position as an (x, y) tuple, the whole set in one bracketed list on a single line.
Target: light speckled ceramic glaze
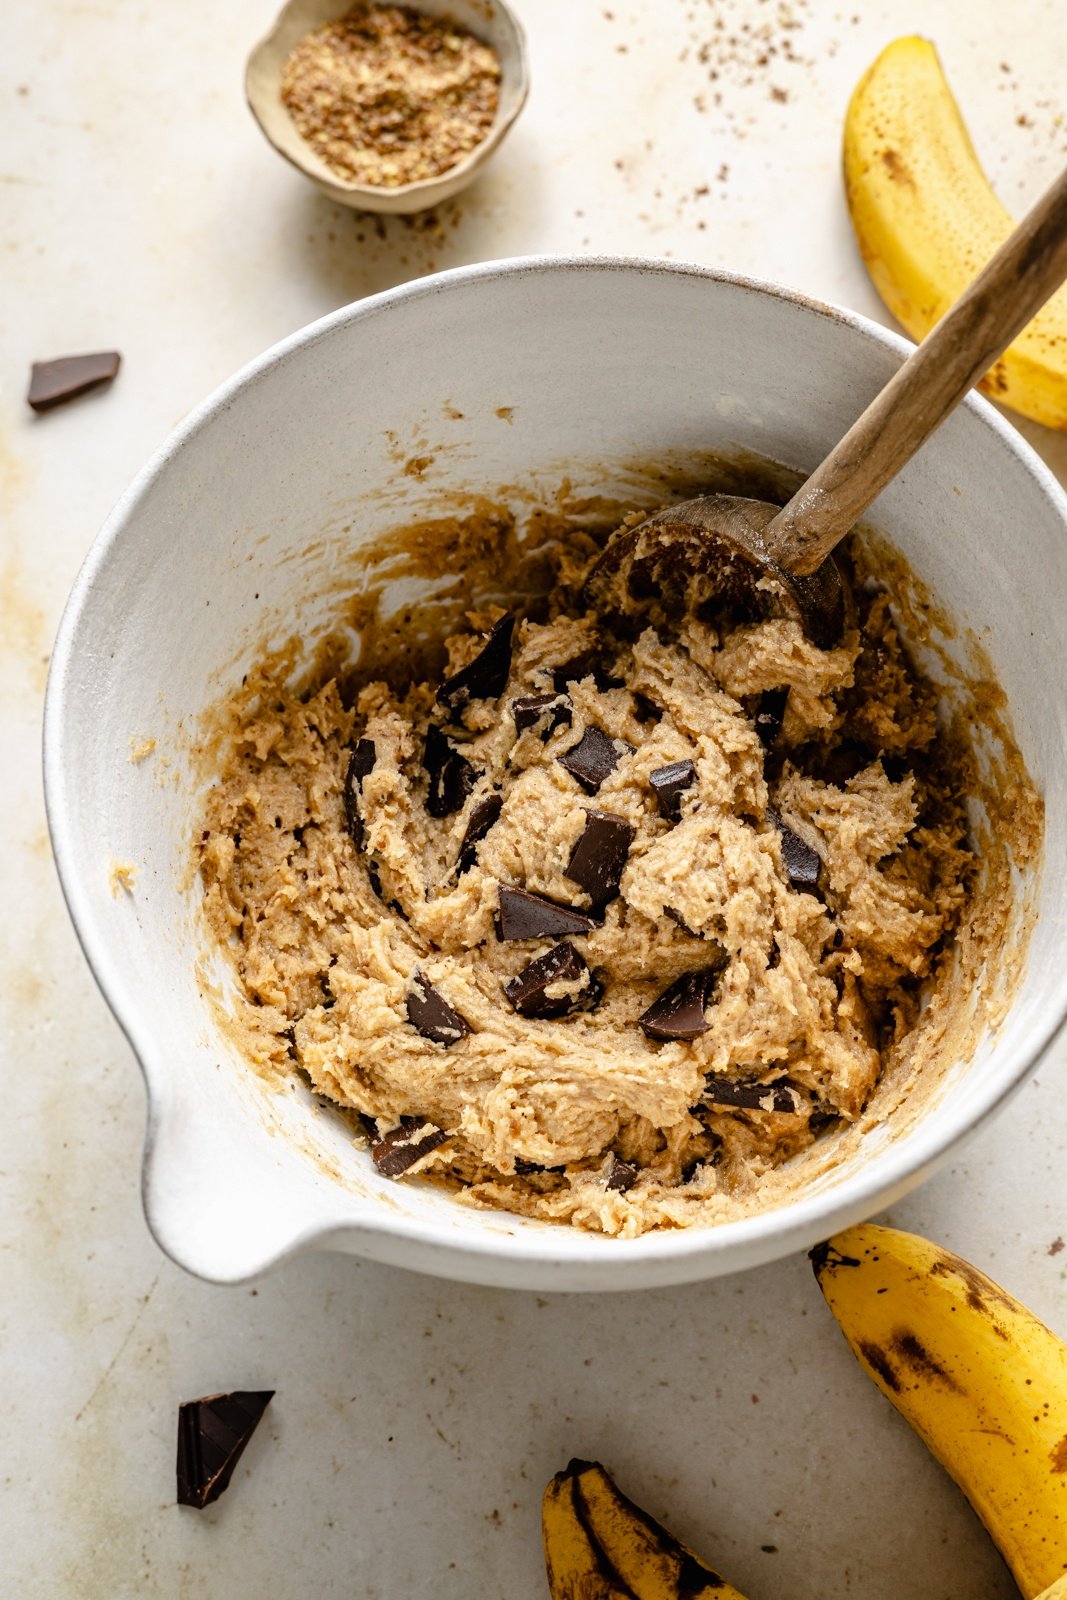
[(508, 373)]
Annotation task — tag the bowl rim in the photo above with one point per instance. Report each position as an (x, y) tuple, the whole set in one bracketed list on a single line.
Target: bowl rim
[(674, 1256), (375, 197)]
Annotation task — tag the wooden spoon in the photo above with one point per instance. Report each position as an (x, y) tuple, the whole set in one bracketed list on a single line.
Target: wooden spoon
[(778, 560)]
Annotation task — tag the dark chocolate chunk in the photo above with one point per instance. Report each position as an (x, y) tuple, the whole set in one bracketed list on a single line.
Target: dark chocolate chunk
[(599, 856), (533, 916), (486, 677), (484, 813), (431, 1015), (212, 1434), (561, 964), (451, 775), (590, 664), (393, 1153), (801, 861), (360, 765), (646, 710), (823, 1117), (780, 1094), (670, 783), (552, 711), (623, 1175), (525, 1169), (679, 1011), (770, 713), (593, 759), (52, 383), (373, 871)]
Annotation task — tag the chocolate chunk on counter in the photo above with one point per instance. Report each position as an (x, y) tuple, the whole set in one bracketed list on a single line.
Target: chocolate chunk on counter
[(561, 964), (484, 815), (770, 714), (593, 759), (670, 783), (486, 676), (801, 861), (599, 856), (53, 383), (679, 1011), (623, 1176), (212, 1435), (431, 1015), (360, 765), (779, 1094), (451, 775), (533, 916), (551, 710), (395, 1152)]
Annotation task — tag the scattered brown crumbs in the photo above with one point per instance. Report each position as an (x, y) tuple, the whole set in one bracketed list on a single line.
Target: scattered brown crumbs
[(386, 96)]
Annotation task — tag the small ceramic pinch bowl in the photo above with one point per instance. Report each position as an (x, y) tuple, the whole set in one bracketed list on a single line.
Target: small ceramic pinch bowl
[(490, 20), (232, 540)]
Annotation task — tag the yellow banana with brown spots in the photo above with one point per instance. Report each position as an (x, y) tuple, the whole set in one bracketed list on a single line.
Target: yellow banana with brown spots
[(982, 1381), (927, 220), (600, 1546)]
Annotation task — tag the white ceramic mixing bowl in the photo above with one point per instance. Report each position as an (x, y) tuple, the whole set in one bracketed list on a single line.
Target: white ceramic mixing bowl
[(512, 373)]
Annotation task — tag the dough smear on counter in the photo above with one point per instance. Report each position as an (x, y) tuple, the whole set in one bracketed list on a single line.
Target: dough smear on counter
[(612, 921)]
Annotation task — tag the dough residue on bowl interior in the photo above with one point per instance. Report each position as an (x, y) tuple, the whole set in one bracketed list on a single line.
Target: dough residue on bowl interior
[(624, 926)]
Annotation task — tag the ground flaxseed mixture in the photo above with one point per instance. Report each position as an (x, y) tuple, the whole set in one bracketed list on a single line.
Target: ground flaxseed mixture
[(386, 96)]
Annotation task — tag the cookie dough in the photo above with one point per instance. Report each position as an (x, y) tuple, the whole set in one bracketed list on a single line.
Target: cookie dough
[(609, 922)]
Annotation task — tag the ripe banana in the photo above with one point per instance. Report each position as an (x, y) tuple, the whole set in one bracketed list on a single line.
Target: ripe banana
[(600, 1546), (927, 220), (982, 1381)]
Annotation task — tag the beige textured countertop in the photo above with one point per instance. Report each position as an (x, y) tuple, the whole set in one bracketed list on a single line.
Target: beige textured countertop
[(416, 1422)]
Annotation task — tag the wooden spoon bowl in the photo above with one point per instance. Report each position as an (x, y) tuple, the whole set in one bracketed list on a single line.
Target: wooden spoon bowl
[(780, 559), (677, 560)]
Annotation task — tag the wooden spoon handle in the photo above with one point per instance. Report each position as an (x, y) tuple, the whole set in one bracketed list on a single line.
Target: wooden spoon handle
[(1026, 270)]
